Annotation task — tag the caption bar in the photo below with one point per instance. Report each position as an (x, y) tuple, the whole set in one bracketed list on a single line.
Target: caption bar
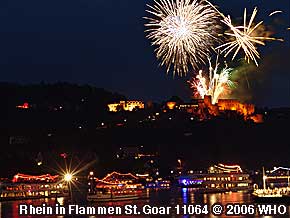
[(130, 209)]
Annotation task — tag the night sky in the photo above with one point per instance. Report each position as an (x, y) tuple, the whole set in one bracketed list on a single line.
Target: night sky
[(102, 43)]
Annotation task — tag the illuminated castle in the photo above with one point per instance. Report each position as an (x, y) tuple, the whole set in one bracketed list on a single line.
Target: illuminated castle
[(227, 105), (202, 107), (126, 106), (235, 105)]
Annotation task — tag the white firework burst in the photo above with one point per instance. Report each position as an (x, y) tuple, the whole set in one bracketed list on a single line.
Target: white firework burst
[(216, 84), (245, 37), (184, 32)]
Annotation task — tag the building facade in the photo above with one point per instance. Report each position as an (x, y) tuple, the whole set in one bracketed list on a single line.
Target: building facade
[(126, 106)]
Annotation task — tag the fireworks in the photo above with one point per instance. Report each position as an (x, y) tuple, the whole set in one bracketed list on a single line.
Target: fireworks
[(245, 37), (216, 85), (183, 31), (275, 12)]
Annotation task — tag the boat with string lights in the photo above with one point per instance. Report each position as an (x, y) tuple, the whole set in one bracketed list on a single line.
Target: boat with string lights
[(219, 178), (116, 187), (276, 187), (33, 187)]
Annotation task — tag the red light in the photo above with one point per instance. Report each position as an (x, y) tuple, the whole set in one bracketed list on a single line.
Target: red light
[(25, 105), (30, 177), (63, 155)]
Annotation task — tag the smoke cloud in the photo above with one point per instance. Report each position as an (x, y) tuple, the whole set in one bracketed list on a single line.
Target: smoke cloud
[(267, 83)]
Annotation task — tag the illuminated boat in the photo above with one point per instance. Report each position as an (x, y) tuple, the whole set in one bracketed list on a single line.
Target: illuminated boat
[(277, 193), (272, 195), (219, 178), (32, 187), (117, 187)]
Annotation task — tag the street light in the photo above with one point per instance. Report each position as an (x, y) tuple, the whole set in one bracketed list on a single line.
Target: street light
[(68, 177), (179, 161)]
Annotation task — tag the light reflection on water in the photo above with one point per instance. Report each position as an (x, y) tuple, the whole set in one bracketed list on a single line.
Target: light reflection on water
[(157, 198)]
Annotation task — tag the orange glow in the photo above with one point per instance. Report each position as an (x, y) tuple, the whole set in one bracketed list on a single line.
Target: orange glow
[(171, 105), (235, 105), (257, 118)]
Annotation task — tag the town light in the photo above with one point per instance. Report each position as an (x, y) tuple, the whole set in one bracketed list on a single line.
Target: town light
[(179, 161)]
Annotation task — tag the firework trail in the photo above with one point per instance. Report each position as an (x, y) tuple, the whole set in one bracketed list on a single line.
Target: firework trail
[(217, 84), (183, 32), (245, 37), (275, 12)]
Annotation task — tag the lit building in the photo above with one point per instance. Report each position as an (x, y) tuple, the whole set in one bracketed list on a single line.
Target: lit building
[(204, 109), (171, 105), (278, 177), (235, 105), (126, 106), (188, 107), (113, 107), (223, 105), (133, 152)]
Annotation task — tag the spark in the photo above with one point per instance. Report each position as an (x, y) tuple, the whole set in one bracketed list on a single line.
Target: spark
[(184, 33), (275, 12), (245, 37), (217, 84)]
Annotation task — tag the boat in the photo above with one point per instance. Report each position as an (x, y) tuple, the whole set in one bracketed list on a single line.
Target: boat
[(107, 194), (219, 178), (278, 194), (23, 187), (117, 187)]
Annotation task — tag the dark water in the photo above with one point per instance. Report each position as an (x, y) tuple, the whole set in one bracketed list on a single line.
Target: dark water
[(171, 197)]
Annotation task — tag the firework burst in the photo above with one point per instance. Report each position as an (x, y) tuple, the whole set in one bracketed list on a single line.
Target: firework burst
[(245, 37), (183, 32), (217, 84)]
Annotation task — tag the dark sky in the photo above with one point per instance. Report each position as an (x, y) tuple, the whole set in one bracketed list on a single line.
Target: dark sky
[(102, 42)]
